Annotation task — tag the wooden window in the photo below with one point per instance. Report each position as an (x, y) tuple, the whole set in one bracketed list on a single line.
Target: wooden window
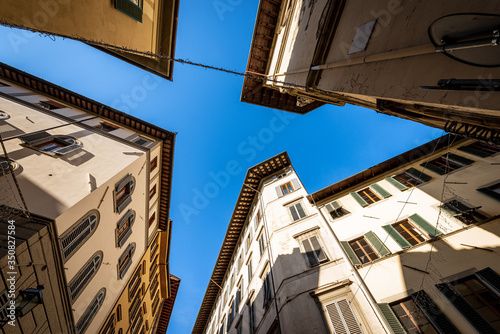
[(52, 145), (336, 210), (287, 188), (480, 149), (343, 319), (492, 191), (123, 193), (119, 312), (368, 196), (363, 250), (466, 213), (90, 312), (446, 163), (106, 127), (77, 235), (125, 260), (152, 219), (406, 229), (124, 228), (132, 8), (83, 277), (407, 180), (313, 251), (411, 318), (153, 164), (297, 211), (152, 192)]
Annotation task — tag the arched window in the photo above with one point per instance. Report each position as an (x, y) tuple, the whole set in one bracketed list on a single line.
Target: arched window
[(90, 312), (125, 260), (80, 281), (124, 228), (76, 236), (45, 142)]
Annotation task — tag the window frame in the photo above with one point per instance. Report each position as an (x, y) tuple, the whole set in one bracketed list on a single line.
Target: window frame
[(127, 220), (362, 248), (64, 144), (468, 217), (293, 205), (125, 260), (410, 233), (449, 158), (130, 9), (76, 238), (306, 239), (80, 281), (127, 186)]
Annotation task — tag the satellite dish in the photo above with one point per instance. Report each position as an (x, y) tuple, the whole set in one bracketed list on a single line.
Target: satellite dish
[(469, 38)]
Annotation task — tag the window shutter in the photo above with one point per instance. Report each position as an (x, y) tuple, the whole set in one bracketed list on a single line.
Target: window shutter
[(129, 8), (83, 277), (433, 168), (490, 278), (468, 312), (279, 192), (333, 206), (424, 225), (293, 211), (360, 199), (90, 312), (350, 253), (474, 151), (490, 192), (78, 235), (461, 160), (309, 254), (433, 313), (123, 182), (396, 184), (35, 137), (381, 191), (318, 250), (295, 184), (342, 318), (300, 210), (68, 149), (418, 174), (396, 236), (124, 204), (378, 246), (391, 318)]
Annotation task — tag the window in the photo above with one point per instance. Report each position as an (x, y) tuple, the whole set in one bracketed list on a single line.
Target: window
[(492, 191), (231, 314), (477, 297), (417, 314), (135, 283), (262, 246), (363, 250), (3, 114), (409, 178), (287, 188), (239, 291), (480, 149), (83, 277), (110, 326), (257, 220), (152, 192), (409, 232), (125, 260), (50, 105), (142, 141), (336, 210), (124, 228), (267, 290), (132, 8), (90, 312), (250, 270), (343, 319), (466, 213), (153, 164), (52, 145), (152, 219), (123, 193), (297, 211), (106, 127), (313, 251), (406, 233), (251, 317), (76, 236), (446, 163)]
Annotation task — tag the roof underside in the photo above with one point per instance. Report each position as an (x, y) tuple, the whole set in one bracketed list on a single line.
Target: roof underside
[(260, 52), (401, 160), (241, 212), (95, 108), (168, 305)]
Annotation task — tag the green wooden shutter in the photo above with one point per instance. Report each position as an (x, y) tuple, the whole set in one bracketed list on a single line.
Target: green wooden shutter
[(418, 174), (433, 168), (396, 184), (461, 160), (350, 253), (468, 312), (431, 230), (381, 191), (396, 236), (433, 313), (378, 246), (476, 152), (129, 8), (360, 199), (391, 318), (490, 278)]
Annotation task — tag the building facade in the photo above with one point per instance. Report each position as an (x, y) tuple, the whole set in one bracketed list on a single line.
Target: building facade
[(423, 230), (133, 25), (429, 62), (279, 258), (101, 179)]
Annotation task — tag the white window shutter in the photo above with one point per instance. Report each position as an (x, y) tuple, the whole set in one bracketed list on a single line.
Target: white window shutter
[(295, 184), (343, 318), (279, 192)]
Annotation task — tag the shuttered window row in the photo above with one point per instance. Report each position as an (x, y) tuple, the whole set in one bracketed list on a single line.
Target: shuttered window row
[(370, 195), (287, 188), (365, 249)]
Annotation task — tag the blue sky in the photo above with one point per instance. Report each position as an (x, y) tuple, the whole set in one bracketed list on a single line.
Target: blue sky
[(216, 132)]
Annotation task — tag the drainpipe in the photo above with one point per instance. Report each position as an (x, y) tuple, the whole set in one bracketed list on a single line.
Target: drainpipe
[(364, 287)]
